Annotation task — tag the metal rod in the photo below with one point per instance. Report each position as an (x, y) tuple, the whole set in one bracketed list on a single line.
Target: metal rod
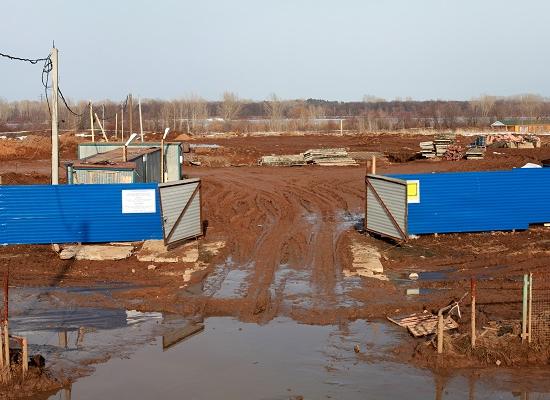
[(473, 311), (530, 308), (524, 308)]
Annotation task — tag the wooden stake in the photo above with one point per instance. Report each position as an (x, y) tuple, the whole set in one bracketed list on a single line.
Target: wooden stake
[(373, 165), (116, 126), (92, 121), (130, 112), (25, 361), (140, 120), (473, 311), (6, 345), (101, 127), (440, 333)]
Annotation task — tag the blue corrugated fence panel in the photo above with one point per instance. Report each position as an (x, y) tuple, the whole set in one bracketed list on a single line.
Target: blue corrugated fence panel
[(74, 213), (479, 201)]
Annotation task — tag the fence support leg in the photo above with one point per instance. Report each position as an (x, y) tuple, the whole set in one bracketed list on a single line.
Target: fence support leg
[(524, 309), (439, 333), (530, 308), (473, 312)]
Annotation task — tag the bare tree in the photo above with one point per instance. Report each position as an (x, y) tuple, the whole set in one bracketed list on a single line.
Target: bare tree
[(230, 106), (274, 109)]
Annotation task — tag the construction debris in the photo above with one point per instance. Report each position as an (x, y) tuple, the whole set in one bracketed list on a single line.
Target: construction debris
[(423, 324), (454, 152), (508, 140), (324, 157), (437, 147), (289, 160), (96, 252), (475, 153)]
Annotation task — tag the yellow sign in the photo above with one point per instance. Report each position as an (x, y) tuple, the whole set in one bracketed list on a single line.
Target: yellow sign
[(413, 191)]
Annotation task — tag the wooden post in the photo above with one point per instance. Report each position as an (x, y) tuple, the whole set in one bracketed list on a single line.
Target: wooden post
[(530, 308), (473, 311), (101, 127), (524, 308), (6, 345), (92, 120), (341, 126), (116, 126), (162, 160), (63, 339), (5, 320), (440, 323), (25, 361), (55, 125), (124, 153), (373, 165), (122, 124), (140, 120), (130, 113)]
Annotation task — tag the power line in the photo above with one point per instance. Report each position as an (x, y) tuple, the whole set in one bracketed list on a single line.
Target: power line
[(32, 61)]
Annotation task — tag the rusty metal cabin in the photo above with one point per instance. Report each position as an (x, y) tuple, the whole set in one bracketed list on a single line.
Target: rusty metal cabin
[(143, 165)]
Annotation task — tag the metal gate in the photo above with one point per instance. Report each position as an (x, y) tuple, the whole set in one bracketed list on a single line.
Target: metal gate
[(181, 210), (386, 206)]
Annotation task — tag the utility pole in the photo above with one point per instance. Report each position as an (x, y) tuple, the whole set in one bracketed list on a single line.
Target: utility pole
[(122, 123), (103, 115), (55, 132), (92, 120), (130, 106), (116, 126), (140, 120)]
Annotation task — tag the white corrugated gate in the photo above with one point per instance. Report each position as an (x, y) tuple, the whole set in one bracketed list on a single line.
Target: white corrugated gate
[(181, 210), (386, 206)]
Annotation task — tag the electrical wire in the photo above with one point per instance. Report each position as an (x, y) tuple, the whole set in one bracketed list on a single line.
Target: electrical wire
[(32, 61)]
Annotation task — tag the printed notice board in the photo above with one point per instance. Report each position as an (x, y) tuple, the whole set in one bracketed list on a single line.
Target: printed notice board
[(139, 201)]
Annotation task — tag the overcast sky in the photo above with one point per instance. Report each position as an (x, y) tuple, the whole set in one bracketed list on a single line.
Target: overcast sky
[(337, 50)]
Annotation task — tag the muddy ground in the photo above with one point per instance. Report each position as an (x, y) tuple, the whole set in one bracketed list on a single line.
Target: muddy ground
[(279, 243)]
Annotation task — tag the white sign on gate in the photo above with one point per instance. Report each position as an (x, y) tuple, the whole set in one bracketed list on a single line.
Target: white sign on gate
[(139, 201)]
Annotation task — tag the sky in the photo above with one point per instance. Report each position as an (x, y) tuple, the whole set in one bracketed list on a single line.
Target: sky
[(334, 50)]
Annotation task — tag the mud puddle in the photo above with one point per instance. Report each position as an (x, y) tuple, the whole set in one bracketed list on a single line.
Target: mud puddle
[(71, 337), (279, 360)]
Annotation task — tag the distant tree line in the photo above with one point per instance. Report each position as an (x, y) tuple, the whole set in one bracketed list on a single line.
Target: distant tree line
[(193, 114)]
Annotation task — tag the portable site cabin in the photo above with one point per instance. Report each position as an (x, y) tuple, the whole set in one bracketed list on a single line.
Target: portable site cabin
[(142, 165), (173, 154), (399, 206)]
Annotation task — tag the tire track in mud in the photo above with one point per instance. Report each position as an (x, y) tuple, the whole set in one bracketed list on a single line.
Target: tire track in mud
[(287, 224)]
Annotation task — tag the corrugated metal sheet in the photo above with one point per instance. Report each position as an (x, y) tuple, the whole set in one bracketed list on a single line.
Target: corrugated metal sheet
[(172, 154), (74, 213), (393, 193), (90, 176), (153, 167), (174, 197), (480, 201)]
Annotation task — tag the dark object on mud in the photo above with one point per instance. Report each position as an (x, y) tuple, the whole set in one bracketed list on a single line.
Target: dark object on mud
[(356, 348), (402, 156), (37, 361)]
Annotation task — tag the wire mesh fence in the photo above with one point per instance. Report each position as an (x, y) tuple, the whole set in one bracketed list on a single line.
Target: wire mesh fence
[(539, 306)]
